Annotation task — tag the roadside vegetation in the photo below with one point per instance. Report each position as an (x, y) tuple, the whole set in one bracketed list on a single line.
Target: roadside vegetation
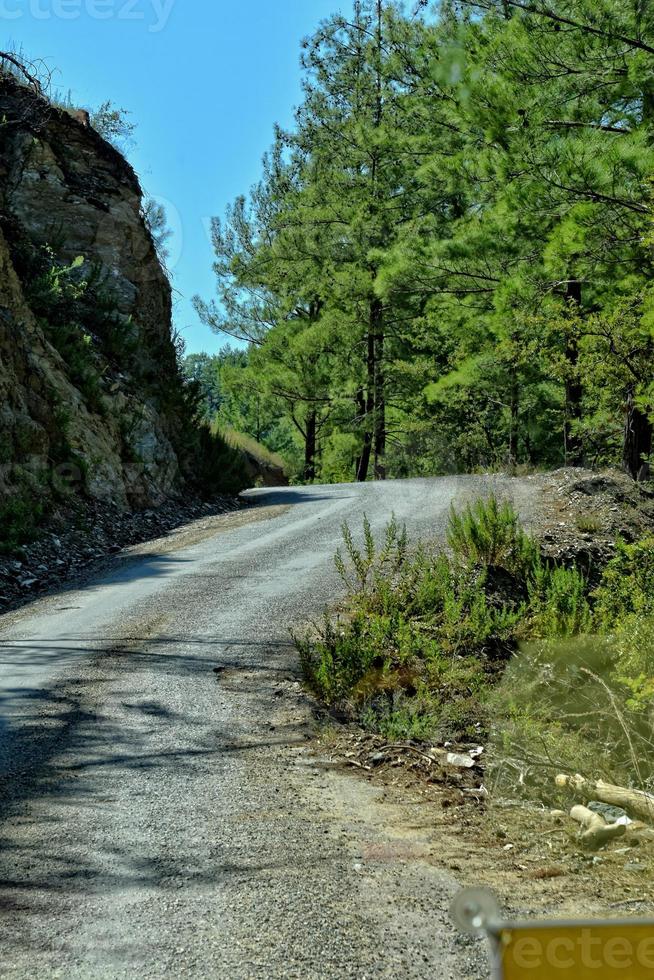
[(487, 641), (234, 405), (246, 444)]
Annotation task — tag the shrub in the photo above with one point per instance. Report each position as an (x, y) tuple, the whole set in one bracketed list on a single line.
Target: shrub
[(627, 585), (492, 637), (558, 602), (368, 567), (588, 523), (18, 523), (585, 704), (489, 533), (420, 641), (562, 706)]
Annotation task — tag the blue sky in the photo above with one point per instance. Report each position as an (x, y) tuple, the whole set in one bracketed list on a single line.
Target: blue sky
[(204, 81)]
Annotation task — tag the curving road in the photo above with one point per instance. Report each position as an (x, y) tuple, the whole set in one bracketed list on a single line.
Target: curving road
[(162, 812)]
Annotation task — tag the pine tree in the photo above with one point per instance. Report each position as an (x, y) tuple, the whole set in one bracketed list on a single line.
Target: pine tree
[(446, 262)]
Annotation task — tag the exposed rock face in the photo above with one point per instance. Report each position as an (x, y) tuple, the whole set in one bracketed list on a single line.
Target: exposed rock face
[(97, 400)]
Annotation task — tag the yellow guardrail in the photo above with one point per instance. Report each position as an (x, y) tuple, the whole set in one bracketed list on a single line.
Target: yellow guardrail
[(557, 950)]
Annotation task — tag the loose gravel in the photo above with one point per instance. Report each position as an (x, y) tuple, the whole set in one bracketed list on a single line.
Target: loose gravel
[(164, 813)]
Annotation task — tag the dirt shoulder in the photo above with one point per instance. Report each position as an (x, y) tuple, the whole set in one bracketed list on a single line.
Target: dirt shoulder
[(531, 859), (76, 541)]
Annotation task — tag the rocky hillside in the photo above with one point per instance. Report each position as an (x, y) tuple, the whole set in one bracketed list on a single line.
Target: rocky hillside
[(91, 401)]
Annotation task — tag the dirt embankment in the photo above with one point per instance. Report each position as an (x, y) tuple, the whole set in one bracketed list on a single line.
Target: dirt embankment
[(583, 514)]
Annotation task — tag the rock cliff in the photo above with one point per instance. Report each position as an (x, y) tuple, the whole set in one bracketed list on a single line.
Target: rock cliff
[(91, 400)]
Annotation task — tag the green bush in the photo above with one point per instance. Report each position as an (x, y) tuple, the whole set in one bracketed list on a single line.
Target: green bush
[(491, 637), (489, 533), (624, 610), (627, 585), (563, 706), (422, 637), (585, 704), (18, 523), (558, 602), (368, 568)]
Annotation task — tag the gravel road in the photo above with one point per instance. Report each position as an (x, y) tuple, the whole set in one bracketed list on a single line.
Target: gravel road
[(161, 818)]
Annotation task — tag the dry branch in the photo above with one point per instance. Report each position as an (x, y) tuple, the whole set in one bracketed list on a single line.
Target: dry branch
[(24, 71), (597, 832), (635, 801)]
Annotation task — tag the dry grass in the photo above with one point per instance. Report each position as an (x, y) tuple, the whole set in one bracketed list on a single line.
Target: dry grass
[(239, 440)]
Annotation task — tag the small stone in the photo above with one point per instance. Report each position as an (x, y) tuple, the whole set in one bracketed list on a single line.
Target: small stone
[(610, 813), (460, 761)]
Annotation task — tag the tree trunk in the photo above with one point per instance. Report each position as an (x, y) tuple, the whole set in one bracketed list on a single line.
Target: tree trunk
[(310, 448), (515, 418), (368, 406), (573, 388), (637, 445), (363, 464), (380, 439), (377, 326)]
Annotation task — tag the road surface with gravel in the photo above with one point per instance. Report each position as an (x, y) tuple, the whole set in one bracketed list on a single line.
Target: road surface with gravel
[(163, 811)]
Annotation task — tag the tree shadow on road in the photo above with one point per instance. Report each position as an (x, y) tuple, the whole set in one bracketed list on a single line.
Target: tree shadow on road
[(63, 809)]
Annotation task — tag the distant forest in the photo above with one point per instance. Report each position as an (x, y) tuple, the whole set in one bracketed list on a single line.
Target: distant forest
[(447, 263)]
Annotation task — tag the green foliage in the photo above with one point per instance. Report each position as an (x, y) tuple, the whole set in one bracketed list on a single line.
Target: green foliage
[(585, 703), (627, 586), (558, 602), (571, 706), (245, 443), (78, 314), (19, 519), (428, 273), (368, 565), (112, 124), (425, 634), (490, 639), (624, 610), (488, 533), (233, 401), (588, 523), (156, 221)]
